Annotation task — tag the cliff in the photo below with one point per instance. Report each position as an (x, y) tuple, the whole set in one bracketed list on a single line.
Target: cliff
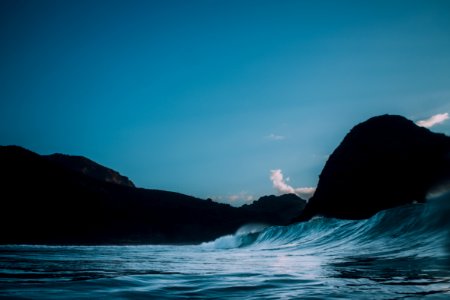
[(383, 162)]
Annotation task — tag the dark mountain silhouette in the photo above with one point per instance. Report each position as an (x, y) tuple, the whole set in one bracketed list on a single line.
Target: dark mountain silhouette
[(272, 209), (383, 162), (88, 167), (50, 201)]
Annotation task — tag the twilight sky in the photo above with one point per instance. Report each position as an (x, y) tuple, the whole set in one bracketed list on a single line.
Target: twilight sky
[(216, 98)]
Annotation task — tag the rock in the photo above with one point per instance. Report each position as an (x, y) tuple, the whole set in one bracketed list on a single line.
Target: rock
[(383, 162)]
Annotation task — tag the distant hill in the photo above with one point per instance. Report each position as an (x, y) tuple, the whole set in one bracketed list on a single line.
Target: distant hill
[(274, 209), (88, 167), (60, 199), (383, 162)]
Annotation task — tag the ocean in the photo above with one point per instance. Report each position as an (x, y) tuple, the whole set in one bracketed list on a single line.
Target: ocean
[(401, 253)]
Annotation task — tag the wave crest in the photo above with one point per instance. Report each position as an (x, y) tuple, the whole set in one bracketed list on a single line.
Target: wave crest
[(416, 229)]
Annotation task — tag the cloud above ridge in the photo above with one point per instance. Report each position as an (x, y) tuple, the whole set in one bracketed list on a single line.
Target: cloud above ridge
[(433, 120), (243, 196), (236, 199), (280, 184)]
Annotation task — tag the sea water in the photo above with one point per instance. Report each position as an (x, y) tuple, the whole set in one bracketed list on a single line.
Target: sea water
[(402, 253)]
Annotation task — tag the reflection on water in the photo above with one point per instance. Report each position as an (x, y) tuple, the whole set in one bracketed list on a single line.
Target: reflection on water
[(408, 276), (195, 272)]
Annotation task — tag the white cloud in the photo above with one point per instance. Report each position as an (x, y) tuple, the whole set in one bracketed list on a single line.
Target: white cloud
[(242, 196), (433, 120), (275, 137), (238, 199), (305, 192), (233, 198), (277, 179), (280, 184)]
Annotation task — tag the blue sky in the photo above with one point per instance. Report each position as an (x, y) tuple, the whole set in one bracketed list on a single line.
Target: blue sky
[(207, 97)]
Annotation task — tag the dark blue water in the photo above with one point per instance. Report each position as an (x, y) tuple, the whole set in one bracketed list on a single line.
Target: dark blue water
[(401, 253)]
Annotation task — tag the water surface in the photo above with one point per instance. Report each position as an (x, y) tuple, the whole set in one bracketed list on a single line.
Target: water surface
[(401, 253)]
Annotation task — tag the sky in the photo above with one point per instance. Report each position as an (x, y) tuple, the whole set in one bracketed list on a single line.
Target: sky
[(230, 100)]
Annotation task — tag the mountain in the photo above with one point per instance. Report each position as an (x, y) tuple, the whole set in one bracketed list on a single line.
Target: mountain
[(274, 209), (88, 167), (383, 162), (51, 200)]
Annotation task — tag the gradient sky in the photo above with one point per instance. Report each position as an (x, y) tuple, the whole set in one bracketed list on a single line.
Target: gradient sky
[(207, 97)]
